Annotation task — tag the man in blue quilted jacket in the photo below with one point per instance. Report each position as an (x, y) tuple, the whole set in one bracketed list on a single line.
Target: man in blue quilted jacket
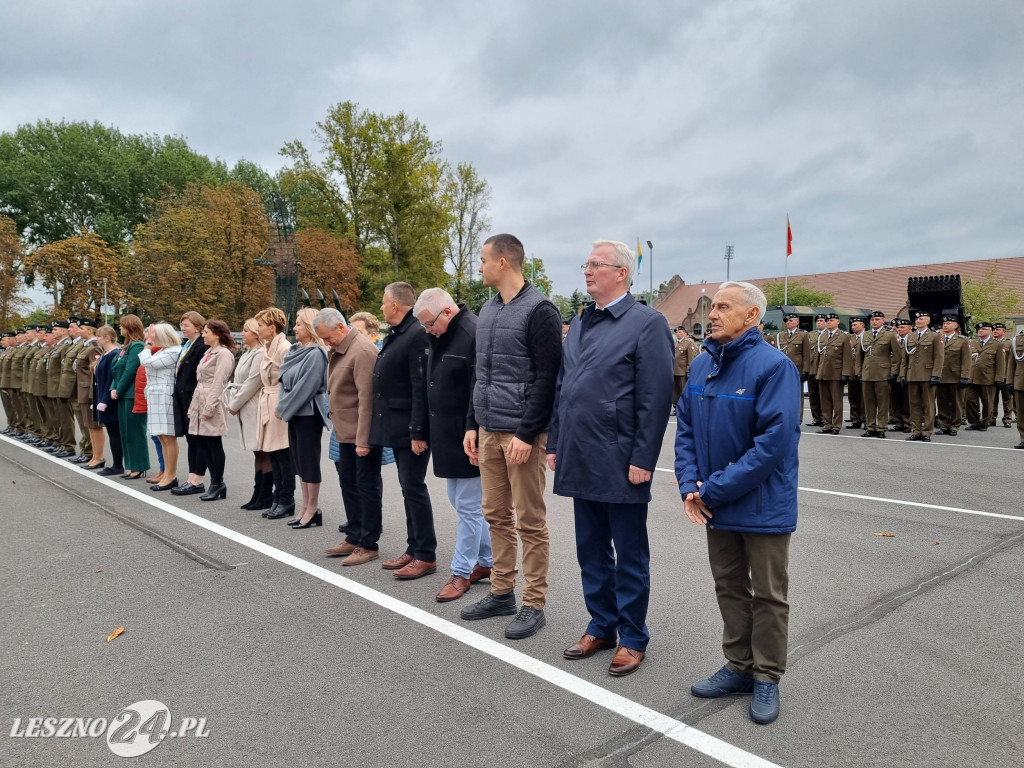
[(736, 463)]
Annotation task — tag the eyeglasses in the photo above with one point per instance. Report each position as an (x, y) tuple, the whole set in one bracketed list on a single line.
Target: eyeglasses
[(592, 265), (428, 326)]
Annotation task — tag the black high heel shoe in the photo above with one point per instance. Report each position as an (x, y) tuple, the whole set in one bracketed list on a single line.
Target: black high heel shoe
[(316, 519), (101, 465), (172, 484), (134, 475), (217, 491)]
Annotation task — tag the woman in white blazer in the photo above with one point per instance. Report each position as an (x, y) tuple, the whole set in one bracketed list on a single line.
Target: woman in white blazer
[(159, 357), (243, 400)]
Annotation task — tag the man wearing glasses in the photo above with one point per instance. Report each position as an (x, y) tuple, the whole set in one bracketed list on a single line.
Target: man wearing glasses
[(518, 351), (612, 402)]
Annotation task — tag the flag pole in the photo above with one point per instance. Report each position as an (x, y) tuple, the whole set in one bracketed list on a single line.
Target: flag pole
[(789, 250)]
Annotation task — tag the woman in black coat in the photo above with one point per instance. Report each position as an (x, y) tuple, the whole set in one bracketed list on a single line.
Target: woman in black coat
[(192, 352)]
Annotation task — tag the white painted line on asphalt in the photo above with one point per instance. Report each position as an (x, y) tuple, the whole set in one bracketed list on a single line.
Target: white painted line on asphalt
[(900, 502), (671, 728)]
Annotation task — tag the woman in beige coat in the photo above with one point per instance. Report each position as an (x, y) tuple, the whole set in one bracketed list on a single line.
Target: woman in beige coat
[(242, 397), (207, 415), (273, 433)]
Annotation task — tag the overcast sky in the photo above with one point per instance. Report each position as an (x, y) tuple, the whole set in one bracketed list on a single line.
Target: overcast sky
[(890, 132)]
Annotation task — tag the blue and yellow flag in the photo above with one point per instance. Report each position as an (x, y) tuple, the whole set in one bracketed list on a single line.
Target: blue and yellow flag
[(639, 256)]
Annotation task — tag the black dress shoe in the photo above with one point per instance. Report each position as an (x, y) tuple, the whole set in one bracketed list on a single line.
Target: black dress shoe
[(951, 432), (869, 433), (111, 471), (64, 454), (824, 432), (972, 428), (169, 486), (281, 510), (880, 434), (79, 459), (815, 424), (188, 489), (856, 425), (1019, 445)]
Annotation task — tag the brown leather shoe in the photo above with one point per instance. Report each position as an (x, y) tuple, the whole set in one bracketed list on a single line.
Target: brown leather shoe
[(479, 572), (341, 550), (396, 563), (625, 662), (586, 647), (453, 590), (360, 555), (415, 569)]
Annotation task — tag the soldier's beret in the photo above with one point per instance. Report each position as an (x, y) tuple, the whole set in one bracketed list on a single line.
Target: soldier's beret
[(88, 321), (949, 318), (999, 325), (61, 324), (984, 325), (6, 334), (901, 321), (923, 313), (791, 316), (821, 316), (73, 320), (831, 316), (877, 313), (858, 319)]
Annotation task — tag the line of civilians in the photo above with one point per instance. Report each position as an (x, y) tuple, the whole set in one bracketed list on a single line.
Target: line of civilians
[(495, 400)]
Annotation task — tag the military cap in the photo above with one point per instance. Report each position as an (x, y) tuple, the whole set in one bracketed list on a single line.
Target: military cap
[(83, 321), (791, 316), (60, 324), (983, 324), (73, 319), (900, 321), (999, 325), (821, 316), (858, 319), (831, 316), (923, 313), (877, 313), (6, 334)]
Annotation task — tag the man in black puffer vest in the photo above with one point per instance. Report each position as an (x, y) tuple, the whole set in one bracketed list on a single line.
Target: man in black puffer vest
[(518, 353)]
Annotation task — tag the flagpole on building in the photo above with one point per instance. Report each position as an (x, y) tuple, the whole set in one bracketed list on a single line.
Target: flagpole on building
[(650, 252)]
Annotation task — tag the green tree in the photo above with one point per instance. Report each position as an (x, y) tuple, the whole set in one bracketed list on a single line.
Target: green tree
[(198, 251), (801, 293), (57, 179), (988, 298), (533, 270), (380, 182), (12, 256), (467, 195), (73, 270)]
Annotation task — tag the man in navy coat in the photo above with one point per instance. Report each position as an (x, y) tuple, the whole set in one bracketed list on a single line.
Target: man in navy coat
[(612, 402)]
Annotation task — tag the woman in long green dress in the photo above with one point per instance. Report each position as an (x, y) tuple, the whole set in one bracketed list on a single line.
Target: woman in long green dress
[(133, 425)]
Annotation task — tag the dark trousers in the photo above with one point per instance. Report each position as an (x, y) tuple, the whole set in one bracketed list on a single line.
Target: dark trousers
[(284, 476), (114, 438), (876, 405), (196, 461), (211, 454), (899, 404), (615, 566), (980, 404), (949, 413), (814, 398), (831, 403), (922, 407), (854, 393), (751, 572), (1008, 408), (419, 516), (361, 493)]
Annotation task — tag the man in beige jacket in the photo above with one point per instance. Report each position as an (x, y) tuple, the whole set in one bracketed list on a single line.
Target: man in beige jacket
[(350, 364)]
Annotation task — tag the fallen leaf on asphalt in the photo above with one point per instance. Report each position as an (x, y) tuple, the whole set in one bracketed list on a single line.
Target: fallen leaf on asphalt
[(887, 535), (115, 633), (935, 543), (99, 571)]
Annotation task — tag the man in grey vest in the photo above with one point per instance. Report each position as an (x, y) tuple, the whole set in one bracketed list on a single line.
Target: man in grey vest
[(518, 354)]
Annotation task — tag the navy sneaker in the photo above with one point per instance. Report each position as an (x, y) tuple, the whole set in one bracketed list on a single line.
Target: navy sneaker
[(724, 682), (764, 707), (527, 622), (492, 605)]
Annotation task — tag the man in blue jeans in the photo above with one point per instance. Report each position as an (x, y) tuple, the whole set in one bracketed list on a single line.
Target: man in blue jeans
[(451, 329), (741, 483)]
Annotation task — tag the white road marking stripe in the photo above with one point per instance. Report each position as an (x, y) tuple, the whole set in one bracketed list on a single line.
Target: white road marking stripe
[(895, 501), (673, 729), (948, 445)]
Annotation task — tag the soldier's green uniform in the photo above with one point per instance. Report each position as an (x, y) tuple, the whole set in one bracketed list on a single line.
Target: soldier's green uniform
[(64, 421), (956, 374), (796, 344), (878, 356), (5, 381), (999, 333), (988, 372), (922, 368)]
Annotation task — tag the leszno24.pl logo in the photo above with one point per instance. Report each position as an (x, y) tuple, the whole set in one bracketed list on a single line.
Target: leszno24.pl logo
[(135, 730)]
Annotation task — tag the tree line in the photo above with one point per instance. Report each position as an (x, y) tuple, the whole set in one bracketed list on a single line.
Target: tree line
[(88, 211)]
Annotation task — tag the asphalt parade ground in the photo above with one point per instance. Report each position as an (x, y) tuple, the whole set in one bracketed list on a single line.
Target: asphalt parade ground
[(905, 648)]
